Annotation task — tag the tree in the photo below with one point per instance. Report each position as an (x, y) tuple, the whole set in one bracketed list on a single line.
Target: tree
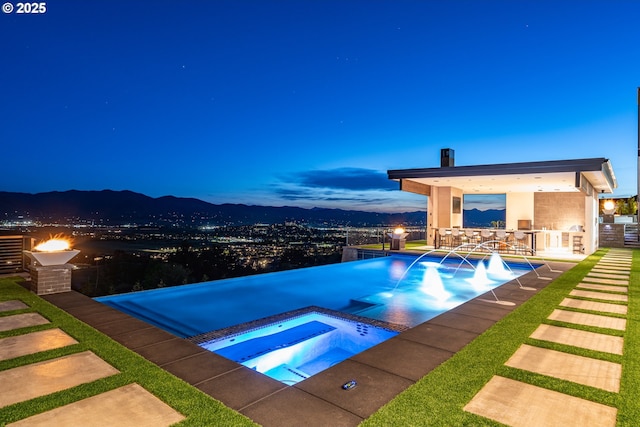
[(627, 206)]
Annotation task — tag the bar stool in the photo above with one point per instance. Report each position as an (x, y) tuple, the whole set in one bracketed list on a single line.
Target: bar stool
[(501, 237), (485, 235), (472, 236), (520, 241), (456, 237), (445, 238)]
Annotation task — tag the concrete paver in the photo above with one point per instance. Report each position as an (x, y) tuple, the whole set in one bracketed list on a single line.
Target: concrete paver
[(603, 281), (294, 407), (372, 391), (518, 404), (39, 379), (594, 306), (24, 320), (570, 367), (120, 407), (595, 286), (12, 305), (34, 342), (615, 262), (588, 319), (622, 267), (416, 358), (612, 269), (578, 338), (603, 275), (599, 295), (613, 253), (621, 273), (231, 387)]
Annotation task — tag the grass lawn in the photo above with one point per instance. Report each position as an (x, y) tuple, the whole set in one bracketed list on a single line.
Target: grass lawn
[(199, 408)]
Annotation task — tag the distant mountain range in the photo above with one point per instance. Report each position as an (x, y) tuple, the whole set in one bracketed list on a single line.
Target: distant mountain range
[(478, 218), (122, 207)]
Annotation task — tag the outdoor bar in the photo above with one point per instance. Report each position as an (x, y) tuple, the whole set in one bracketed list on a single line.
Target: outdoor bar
[(551, 206)]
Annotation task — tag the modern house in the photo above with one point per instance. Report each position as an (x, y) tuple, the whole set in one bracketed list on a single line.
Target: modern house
[(552, 200)]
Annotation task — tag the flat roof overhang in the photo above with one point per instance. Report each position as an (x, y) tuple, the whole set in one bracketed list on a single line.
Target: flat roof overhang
[(585, 175)]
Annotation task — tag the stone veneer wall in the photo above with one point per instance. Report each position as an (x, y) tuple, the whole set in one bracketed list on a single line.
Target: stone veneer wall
[(558, 211), (611, 235), (51, 279)]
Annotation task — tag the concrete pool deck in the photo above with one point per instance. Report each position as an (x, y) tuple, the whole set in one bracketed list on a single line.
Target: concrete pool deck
[(382, 372)]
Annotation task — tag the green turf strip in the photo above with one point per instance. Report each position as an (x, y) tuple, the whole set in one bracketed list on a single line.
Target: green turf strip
[(629, 408)]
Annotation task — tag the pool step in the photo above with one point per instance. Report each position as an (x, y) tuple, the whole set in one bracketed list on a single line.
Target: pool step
[(287, 374), (250, 349), (326, 360)]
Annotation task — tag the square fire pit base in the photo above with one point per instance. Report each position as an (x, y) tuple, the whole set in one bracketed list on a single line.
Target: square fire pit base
[(51, 279)]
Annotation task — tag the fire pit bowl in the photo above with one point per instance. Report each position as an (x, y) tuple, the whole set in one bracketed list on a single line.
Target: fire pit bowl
[(52, 257)]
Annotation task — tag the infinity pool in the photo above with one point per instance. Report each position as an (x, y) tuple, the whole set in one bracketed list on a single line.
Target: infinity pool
[(270, 322), (384, 289)]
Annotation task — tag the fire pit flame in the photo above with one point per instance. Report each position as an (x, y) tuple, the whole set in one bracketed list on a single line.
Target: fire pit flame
[(54, 244)]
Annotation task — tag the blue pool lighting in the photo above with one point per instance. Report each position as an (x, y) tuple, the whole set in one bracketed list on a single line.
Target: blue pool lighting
[(400, 290), (298, 346)]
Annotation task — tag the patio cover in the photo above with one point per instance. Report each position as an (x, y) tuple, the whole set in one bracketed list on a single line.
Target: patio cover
[(586, 175)]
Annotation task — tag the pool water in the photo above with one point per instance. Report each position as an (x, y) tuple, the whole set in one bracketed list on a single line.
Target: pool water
[(296, 348), (384, 289), (398, 292)]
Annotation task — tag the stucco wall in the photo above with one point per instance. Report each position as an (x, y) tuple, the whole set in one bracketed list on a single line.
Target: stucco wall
[(446, 218), (519, 206)]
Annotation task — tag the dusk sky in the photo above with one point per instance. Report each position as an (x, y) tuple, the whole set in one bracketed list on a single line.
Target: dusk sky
[(309, 103)]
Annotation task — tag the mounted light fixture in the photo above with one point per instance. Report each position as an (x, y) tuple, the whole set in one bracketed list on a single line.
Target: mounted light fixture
[(609, 207)]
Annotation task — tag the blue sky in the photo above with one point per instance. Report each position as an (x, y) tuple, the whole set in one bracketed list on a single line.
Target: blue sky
[(309, 103)]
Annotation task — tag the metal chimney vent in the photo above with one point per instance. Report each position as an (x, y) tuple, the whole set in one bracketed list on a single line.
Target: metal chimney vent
[(447, 158)]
